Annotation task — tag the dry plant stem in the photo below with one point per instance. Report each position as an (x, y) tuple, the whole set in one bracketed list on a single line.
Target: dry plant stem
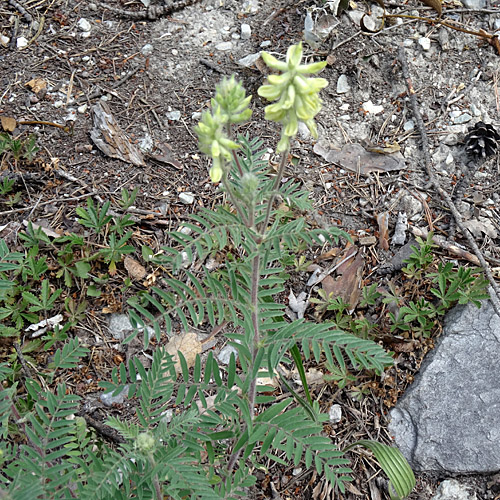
[(495, 297)]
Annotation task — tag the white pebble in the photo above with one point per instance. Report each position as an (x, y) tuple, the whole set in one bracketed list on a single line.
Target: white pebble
[(84, 25), (187, 198), (425, 42), (174, 115), (21, 42), (369, 107), (147, 50), (335, 414), (246, 31), (343, 85), (224, 46)]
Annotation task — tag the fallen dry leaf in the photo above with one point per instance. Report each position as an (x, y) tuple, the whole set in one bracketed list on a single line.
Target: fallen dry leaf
[(347, 286), (135, 270), (333, 252), (356, 158), (8, 123), (483, 225), (37, 85), (313, 376), (165, 155), (188, 344)]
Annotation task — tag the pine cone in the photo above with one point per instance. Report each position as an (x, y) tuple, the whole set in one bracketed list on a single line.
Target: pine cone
[(482, 140)]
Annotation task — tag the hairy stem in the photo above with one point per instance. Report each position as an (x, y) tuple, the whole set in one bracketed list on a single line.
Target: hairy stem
[(276, 184)]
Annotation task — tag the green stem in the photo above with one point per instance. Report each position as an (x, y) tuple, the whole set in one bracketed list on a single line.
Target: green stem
[(248, 221), (156, 483), (276, 184), (235, 155)]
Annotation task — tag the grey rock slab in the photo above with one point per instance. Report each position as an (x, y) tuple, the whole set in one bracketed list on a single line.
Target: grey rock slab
[(449, 419)]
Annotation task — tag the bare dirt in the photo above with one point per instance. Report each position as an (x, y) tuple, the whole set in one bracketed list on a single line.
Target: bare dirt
[(157, 75)]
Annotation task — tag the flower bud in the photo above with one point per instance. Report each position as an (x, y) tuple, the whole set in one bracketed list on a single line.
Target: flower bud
[(145, 442)]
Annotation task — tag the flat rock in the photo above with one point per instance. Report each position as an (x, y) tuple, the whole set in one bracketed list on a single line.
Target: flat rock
[(449, 420)]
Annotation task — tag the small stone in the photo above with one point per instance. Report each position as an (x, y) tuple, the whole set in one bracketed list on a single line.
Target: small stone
[(343, 85), (369, 107), (449, 159), (425, 43), (250, 7), (4, 40), (474, 4), (186, 198), (196, 116), (249, 61), (224, 46), (71, 116), (451, 489), (409, 125), (82, 109), (225, 355), (146, 144), (407, 43), (475, 110), (246, 31), (265, 43), (107, 399), (235, 36), (58, 104), (335, 414), (84, 25), (174, 116), (167, 416), (175, 52), (147, 50), (304, 131), (296, 471), (463, 118), (450, 140), (21, 42)]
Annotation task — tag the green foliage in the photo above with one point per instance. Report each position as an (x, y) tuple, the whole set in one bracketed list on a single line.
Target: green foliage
[(226, 422), (93, 217), (18, 148), (128, 199), (440, 287)]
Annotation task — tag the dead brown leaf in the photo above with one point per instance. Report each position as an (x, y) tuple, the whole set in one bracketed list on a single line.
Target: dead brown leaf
[(186, 343), (135, 270), (165, 155), (333, 252), (356, 158), (435, 4), (347, 286), (8, 123), (37, 85)]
